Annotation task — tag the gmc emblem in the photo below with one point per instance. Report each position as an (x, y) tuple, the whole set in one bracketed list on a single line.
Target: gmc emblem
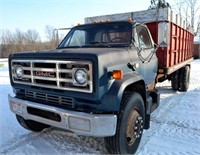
[(45, 74)]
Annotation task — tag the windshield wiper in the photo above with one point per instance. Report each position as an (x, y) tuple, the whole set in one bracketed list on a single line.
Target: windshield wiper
[(69, 47), (100, 43)]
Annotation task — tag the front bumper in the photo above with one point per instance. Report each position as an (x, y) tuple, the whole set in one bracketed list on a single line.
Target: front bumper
[(98, 125)]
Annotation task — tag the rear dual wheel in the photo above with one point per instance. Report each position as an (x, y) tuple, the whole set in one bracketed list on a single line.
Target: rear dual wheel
[(129, 126), (180, 79), (185, 78), (175, 81)]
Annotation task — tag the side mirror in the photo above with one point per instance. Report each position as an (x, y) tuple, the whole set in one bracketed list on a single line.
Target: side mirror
[(163, 34)]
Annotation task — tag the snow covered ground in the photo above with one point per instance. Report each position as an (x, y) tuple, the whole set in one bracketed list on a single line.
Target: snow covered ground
[(175, 126)]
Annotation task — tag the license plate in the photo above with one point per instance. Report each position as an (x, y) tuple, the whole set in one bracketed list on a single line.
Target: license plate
[(16, 106)]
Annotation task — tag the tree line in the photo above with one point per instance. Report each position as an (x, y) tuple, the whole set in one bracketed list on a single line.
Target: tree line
[(19, 41)]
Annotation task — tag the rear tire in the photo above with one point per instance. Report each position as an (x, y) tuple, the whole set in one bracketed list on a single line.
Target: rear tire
[(175, 81), (130, 124), (184, 78), (31, 125)]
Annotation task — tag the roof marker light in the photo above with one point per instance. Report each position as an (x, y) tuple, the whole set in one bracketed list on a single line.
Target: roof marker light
[(107, 20), (101, 21)]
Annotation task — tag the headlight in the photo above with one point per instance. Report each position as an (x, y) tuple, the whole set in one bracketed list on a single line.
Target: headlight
[(80, 76), (18, 72)]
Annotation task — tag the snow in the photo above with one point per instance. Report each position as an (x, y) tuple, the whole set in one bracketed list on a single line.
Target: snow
[(175, 126)]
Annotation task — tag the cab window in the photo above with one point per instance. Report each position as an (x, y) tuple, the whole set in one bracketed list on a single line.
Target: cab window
[(143, 38), (77, 39)]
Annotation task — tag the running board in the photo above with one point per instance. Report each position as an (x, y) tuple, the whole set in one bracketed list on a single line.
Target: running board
[(153, 101)]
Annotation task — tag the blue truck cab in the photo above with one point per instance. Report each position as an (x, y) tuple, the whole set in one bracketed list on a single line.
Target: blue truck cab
[(99, 81)]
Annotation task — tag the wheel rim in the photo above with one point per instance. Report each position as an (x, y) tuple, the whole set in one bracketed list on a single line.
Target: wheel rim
[(134, 127)]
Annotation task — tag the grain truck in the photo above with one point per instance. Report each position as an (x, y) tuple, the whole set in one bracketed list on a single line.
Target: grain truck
[(101, 79)]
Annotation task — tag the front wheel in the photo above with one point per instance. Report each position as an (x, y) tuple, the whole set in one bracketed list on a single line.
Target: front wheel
[(31, 125), (129, 126)]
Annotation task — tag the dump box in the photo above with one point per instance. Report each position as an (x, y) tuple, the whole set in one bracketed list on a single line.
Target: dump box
[(171, 32), (196, 53)]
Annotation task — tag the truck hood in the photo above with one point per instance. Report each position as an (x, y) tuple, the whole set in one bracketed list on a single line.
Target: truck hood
[(111, 56), (71, 53)]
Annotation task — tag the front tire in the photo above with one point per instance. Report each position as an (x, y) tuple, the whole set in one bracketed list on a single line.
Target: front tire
[(129, 126), (31, 125)]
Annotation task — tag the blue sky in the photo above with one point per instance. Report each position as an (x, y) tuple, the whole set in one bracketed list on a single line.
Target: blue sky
[(36, 14)]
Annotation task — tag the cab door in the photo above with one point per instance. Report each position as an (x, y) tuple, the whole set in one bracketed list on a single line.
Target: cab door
[(148, 62)]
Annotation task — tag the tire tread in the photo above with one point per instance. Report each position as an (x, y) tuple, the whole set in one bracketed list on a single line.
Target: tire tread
[(113, 143)]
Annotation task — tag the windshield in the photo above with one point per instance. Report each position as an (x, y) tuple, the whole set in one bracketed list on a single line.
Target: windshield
[(101, 35)]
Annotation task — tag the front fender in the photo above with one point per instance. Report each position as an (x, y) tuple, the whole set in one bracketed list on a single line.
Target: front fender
[(112, 99)]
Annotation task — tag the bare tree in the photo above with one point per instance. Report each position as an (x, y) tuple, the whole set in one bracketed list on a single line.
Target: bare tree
[(12, 42), (19, 40), (51, 35), (31, 39), (190, 10), (7, 43), (193, 4), (49, 32), (32, 36), (197, 33), (19, 36), (157, 4), (179, 6)]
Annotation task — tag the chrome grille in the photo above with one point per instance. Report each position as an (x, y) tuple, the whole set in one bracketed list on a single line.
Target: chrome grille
[(53, 74), (52, 99)]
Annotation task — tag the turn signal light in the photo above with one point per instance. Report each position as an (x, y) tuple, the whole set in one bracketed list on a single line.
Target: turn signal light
[(161, 71), (130, 19), (107, 20), (117, 74)]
